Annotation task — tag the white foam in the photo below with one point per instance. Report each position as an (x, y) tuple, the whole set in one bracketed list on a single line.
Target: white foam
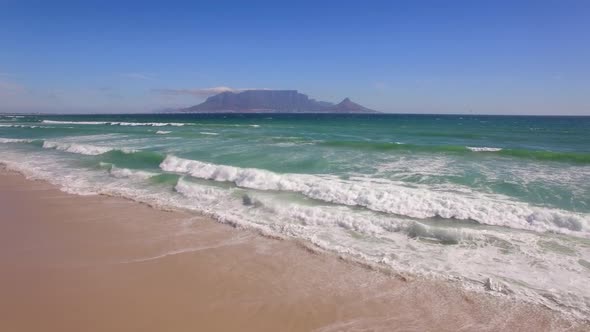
[(483, 149), (39, 166), (162, 132), (288, 144), (516, 262), (477, 256), (130, 173), (85, 149), (75, 122), (15, 140), (205, 196), (225, 243), (23, 126), (208, 133), (132, 124), (392, 197), (152, 124)]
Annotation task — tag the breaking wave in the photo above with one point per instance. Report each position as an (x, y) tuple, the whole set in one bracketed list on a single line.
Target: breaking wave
[(130, 173), (132, 124), (398, 238), (86, 149), (483, 149), (15, 140), (391, 197)]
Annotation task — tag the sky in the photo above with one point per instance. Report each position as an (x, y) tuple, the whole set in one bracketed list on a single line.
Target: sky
[(480, 57)]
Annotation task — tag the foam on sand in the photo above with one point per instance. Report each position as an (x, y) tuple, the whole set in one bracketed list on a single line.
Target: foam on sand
[(470, 255), (332, 288)]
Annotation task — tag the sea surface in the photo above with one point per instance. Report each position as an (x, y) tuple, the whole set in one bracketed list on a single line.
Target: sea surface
[(498, 204)]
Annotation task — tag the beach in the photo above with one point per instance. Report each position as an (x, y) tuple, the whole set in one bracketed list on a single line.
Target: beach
[(100, 263), (295, 166)]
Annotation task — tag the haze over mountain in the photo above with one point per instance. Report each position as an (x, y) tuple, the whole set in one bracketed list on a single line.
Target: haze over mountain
[(273, 101)]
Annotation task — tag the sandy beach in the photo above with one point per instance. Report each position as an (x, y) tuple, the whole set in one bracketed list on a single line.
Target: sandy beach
[(98, 263)]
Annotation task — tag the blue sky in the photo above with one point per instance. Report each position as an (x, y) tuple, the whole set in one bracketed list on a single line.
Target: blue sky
[(493, 57)]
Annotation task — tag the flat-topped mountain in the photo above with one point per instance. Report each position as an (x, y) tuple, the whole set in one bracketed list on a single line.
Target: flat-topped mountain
[(277, 101)]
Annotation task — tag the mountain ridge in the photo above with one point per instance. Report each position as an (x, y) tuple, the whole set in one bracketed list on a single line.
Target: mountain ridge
[(272, 101)]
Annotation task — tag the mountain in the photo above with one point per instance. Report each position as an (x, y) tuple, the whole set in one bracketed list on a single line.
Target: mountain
[(348, 106), (272, 101)]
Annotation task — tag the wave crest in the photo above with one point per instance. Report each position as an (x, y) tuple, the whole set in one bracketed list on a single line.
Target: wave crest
[(483, 149), (15, 140), (85, 149), (116, 123), (391, 197), (130, 173)]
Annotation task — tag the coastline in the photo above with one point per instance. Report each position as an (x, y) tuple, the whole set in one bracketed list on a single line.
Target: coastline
[(107, 263)]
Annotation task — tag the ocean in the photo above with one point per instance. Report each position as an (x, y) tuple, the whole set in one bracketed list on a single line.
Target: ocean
[(498, 204)]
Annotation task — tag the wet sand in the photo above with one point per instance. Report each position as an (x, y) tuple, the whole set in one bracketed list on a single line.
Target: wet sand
[(97, 263)]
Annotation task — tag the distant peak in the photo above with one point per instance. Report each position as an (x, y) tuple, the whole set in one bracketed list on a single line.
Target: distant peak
[(263, 100), (348, 106)]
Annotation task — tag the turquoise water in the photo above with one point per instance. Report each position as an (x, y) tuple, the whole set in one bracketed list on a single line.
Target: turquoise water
[(461, 197)]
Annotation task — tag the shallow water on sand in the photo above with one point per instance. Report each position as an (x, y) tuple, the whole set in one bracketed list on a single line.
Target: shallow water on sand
[(501, 204)]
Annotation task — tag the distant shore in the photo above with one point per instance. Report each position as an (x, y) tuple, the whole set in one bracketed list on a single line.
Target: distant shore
[(98, 263)]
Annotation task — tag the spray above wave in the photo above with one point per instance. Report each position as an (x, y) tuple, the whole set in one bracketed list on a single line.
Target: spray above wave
[(392, 198), (116, 123)]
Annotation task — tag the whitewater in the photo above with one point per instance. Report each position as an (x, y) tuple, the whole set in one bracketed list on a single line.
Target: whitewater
[(499, 205)]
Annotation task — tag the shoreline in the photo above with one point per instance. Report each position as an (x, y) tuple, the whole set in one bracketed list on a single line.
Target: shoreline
[(109, 263)]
